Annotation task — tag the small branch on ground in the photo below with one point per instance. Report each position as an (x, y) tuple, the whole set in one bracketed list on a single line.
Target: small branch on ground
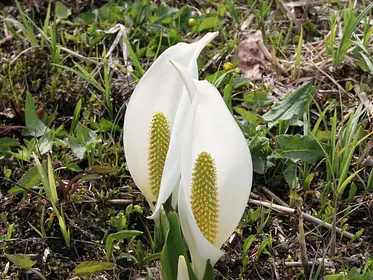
[(307, 217)]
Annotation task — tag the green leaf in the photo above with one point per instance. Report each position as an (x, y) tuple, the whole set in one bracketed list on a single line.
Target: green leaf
[(86, 136), (293, 106), (247, 244), (210, 23), (77, 110), (88, 17), (52, 183), (90, 267), (62, 11), (260, 150), (251, 117), (76, 148), (44, 178), (20, 260), (258, 99), (172, 249), (34, 126), (5, 144), (209, 272), (29, 179), (120, 235), (300, 147), (335, 277)]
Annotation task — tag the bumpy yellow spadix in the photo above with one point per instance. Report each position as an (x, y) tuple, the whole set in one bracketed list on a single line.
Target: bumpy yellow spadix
[(204, 197), (157, 109), (159, 141)]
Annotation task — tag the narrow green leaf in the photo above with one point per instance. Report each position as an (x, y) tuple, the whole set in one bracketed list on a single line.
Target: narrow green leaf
[(344, 184), (172, 249), (61, 221), (75, 120), (133, 55), (46, 22), (52, 183), (90, 267), (43, 177), (247, 115), (247, 244), (29, 31)]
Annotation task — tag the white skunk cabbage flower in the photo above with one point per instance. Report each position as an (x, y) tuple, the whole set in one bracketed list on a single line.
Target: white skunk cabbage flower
[(182, 269), (151, 115), (216, 173)]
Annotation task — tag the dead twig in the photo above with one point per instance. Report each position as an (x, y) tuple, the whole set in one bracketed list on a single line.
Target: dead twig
[(307, 217), (299, 264), (268, 56), (302, 243), (275, 197)]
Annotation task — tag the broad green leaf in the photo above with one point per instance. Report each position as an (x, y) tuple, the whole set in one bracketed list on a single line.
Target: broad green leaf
[(300, 147), (34, 126), (20, 260), (258, 99), (86, 136), (5, 144), (90, 267), (120, 235), (29, 179), (88, 17), (209, 23), (290, 176), (76, 148), (62, 11), (8, 142), (172, 249), (260, 150), (293, 106), (105, 126)]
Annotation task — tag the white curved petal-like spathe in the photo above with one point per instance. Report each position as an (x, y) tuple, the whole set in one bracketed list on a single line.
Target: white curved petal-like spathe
[(201, 250), (211, 128), (215, 131), (182, 270), (159, 90)]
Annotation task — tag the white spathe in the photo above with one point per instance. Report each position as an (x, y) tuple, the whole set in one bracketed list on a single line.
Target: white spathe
[(211, 128), (159, 90)]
